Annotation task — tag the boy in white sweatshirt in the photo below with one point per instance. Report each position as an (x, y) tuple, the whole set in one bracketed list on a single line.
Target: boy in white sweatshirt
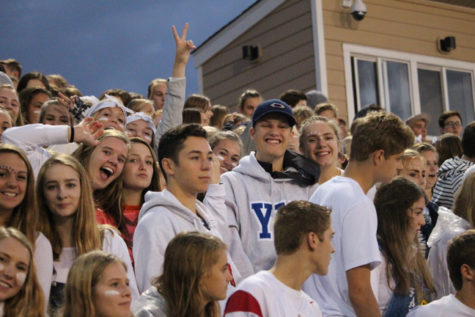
[(186, 161)]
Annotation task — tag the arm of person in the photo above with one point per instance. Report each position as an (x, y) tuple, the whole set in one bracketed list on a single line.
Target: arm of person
[(43, 257), (360, 292), (38, 135), (115, 245), (176, 86), (151, 238), (242, 304)]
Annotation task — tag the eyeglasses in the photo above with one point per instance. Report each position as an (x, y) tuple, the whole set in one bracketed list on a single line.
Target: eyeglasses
[(452, 124)]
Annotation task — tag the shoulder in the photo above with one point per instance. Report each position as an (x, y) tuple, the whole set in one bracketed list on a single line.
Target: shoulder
[(436, 308), (43, 246), (111, 239), (150, 303), (243, 301)]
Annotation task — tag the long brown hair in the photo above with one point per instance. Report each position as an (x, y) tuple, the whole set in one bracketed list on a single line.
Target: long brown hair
[(87, 236), (464, 205), (24, 216), (392, 201), (188, 257), (109, 198), (83, 276), (29, 301)]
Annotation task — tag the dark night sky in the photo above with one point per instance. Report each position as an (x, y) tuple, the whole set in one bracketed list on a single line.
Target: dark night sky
[(99, 44)]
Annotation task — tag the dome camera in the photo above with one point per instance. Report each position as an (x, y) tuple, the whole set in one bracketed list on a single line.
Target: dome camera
[(358, 10)]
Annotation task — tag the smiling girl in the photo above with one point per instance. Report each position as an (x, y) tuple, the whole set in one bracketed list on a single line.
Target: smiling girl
[(140, 176), (110, 112), (17, 197), (319, 141), (67, 214), (20, 292), (403, 278)]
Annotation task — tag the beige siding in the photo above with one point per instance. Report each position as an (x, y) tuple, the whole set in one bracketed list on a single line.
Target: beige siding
[(286, 39), (410, 26)]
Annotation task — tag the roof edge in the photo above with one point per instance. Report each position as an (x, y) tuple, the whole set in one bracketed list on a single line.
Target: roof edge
[(235, 28)]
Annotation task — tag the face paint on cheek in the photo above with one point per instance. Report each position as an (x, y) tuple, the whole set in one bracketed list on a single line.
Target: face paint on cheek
[(111, 293), (148, 138), (20, 277), (220, 157), (37, 111), (2, 267), (234, 164)]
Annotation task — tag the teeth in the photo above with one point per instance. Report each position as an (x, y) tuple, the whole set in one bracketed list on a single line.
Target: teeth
[(273, 141), (107, 170), (4, 284), (10, 194)]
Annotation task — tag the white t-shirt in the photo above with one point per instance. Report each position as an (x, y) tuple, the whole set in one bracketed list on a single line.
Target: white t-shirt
[(264, 295), (447, 306), (382, 291), (43, 256), (112, 243), (354, 222)]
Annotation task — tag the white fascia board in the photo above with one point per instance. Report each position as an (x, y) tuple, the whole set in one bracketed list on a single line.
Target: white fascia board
[(319, 47), (234, 30)]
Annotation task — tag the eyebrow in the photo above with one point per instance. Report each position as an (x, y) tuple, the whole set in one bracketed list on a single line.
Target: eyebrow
[(316, 134), (198, 152)]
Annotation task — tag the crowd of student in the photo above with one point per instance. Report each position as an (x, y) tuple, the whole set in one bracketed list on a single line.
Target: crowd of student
[(123, 205)]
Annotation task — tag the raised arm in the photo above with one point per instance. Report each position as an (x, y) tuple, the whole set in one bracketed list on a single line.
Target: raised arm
[(176, 86), (183, 51)]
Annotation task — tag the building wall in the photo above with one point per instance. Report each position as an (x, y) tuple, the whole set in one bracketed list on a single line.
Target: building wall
[(286, 39), (411, 26)]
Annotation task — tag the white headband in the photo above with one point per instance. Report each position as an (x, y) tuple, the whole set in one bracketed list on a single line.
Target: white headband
[(109, 102), (141, 116)]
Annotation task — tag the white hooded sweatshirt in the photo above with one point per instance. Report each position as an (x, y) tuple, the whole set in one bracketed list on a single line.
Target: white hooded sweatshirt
[(252, 200), (161, 218)]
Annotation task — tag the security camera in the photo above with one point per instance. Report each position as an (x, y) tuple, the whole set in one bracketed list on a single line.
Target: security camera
[(358, 10)]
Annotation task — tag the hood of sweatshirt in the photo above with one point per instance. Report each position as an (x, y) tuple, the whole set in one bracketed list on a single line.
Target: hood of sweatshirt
[(298, 169), (248, 165), (452, 167), (166, 199)]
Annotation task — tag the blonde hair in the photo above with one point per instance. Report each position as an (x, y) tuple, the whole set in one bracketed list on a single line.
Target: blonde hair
[(188, 257), (24, 216), (83, 277), (409, 155), (29, 301), (86, 235), (110, 197), (138, 104)]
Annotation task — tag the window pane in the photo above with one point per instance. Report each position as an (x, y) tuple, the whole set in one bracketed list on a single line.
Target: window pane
[(459, 85), (367, 80), (430, 92), (398, 85)]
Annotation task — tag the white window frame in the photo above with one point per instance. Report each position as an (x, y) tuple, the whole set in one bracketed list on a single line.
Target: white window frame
[(415, 62)]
